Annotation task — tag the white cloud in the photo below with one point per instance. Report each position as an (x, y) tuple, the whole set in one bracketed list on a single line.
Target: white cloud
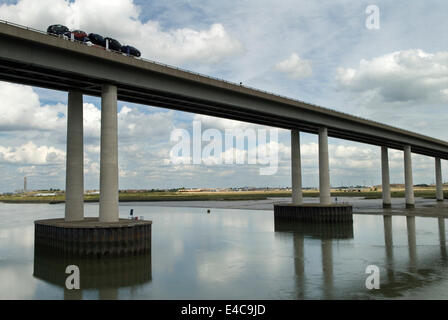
[(120, 19), (295, 67), (135, 124), (92, 121), (29, 153), (21, 110), (408, 75)]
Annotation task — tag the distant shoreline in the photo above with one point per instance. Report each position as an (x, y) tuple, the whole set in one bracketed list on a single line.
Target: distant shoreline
[(215, 196)]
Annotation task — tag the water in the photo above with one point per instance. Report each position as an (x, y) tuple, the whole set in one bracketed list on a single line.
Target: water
[(233, 254)]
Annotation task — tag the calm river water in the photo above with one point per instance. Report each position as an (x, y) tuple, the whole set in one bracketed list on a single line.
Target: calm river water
[(234, 254)]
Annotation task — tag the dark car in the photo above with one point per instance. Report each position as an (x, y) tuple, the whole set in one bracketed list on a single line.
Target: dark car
[(130, 51), (79, 35), (97, 39), (57, 29), (113, 44)]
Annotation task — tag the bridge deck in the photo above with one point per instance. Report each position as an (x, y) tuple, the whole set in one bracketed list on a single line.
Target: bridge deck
[(38, 59)]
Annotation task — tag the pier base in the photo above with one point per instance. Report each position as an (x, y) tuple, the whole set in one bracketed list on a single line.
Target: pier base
[(314, 213), (92, 238)]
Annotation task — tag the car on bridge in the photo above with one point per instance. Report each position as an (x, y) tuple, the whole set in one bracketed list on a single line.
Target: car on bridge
[(57, 29), (93, 39), (113, 44), (97, 39), (130, 51), (78, 35)]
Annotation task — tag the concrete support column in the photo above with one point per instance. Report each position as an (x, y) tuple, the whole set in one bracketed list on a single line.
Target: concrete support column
[(109, 155), (74, 175), (385, 178), (324, 168), (409, 184), (296, 170), (439, 183)]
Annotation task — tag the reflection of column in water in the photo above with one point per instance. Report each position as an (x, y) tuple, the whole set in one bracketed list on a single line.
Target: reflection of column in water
[(299, 264), (442, 238), (105, 275), (75, 294), (327, 267), (412, 242), (388, 241), (108, 294)]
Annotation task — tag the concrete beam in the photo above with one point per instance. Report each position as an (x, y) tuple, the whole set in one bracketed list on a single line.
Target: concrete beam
[(409, 184), (296, 170), (109, 155), (385, 178), (439, 183), (324, 168), (74, 175)]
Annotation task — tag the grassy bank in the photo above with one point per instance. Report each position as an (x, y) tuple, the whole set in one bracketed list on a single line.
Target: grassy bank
[(215, 196)]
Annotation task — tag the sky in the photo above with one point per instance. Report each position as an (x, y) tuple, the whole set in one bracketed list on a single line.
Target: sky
[(320, 52)]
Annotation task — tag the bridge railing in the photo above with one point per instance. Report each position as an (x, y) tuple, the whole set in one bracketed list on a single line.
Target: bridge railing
[(193, 72)]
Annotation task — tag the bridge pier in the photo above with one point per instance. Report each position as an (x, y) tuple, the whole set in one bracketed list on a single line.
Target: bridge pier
[(296, 170), (409, 185), (323, 213), (92, 237), (387, 203), (109, 155), (74, 180), (324, 168), (439, 183)]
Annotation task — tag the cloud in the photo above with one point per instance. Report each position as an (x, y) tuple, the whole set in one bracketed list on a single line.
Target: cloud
[(401, 76), (29, 153), (21, 110), (295, 67), (120, 19), (136, 124)]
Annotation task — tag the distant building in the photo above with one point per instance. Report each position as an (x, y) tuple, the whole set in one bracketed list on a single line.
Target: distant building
[(92, 192)]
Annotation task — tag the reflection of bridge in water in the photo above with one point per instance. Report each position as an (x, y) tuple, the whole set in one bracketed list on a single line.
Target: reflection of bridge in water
[(392, 281), (325, 232), (104, 275)]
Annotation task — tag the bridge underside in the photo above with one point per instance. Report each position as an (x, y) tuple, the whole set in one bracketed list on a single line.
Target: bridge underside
[(12, 71)]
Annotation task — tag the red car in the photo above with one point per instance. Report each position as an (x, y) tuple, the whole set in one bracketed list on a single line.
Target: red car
[(79, 35)]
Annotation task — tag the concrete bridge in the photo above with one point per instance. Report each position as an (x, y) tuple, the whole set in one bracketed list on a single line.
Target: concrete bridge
[(34, 58)]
